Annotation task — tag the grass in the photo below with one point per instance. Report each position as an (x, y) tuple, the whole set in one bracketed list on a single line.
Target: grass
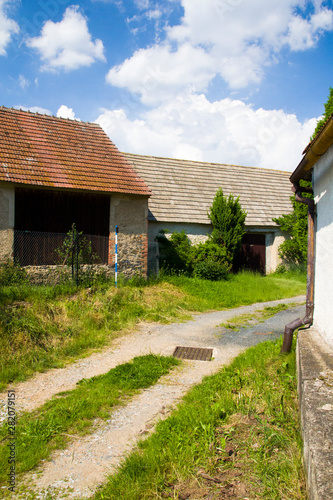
[(258, 316), (48, 428), (234, 436), (46, 327)]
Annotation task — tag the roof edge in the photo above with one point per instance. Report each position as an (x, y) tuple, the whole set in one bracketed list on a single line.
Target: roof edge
[(313, 152), (211, 163)]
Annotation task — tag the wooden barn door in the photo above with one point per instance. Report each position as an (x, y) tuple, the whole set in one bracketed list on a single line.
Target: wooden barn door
[(253, 253)]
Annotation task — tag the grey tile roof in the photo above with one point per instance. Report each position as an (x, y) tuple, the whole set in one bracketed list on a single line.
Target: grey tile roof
[(183, 191)]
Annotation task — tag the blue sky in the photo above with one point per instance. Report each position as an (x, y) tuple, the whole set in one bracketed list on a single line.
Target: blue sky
[(228, 81)]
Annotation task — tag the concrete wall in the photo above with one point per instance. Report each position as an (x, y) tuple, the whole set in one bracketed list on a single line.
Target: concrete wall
[(198, 233), (7, 204), (130, 214), (323, 191)]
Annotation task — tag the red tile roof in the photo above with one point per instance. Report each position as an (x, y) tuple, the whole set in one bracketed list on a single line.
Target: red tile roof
[(43, 150)]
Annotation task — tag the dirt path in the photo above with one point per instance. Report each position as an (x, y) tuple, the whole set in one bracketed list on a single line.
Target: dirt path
[(87, 461)]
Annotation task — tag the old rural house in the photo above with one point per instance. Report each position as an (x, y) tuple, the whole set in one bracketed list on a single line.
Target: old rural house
[(183, 191), (317, 165), (55, 172), (315, 342)]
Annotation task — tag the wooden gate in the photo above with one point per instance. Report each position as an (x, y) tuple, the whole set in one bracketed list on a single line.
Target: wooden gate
[(253, 253)]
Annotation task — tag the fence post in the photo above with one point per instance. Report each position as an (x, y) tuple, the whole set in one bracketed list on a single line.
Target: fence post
[(116, 258), (72, 248), (75, 255), (77, 258)]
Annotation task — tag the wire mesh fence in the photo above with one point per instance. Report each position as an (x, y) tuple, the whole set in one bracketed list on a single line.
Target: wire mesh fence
[(55, 257), (33, 248)]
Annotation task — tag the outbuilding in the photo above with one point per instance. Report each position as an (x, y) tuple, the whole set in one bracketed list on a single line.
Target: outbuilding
[(183, 191), (55, 172), (315, 342)]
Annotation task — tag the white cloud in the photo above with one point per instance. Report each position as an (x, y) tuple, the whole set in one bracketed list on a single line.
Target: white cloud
[(67, 44), (8, 27), (148, 72), (236, 39), (23, 82), (35, 109), (225, 131), (65, 112), (303, 34)]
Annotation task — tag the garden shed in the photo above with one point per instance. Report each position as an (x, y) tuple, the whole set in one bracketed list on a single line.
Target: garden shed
[(183, 191), (55, 172)]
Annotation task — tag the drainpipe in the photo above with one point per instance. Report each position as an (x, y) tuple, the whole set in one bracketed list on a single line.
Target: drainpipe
[(308, 318)]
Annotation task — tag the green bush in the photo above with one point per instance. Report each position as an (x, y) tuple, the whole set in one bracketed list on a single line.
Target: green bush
[(11, 273), (228, 219), (175, 252), (210, 251), (211, 270)]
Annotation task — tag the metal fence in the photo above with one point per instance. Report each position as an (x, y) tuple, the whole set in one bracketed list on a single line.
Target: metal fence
[(32, 248), (71, 255)]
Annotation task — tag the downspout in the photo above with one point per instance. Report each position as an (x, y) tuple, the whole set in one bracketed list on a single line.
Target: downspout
[(308, 318)]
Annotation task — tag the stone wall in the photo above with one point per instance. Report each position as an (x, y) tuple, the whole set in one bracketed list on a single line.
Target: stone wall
[(7, 197), (54, 275), (130, 214)]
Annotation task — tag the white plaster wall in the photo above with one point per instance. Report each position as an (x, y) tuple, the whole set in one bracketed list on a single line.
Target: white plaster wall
[(273, 241), (323, 190)]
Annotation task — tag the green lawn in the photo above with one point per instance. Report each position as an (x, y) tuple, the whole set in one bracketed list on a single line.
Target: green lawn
[(234, 436), (46, 327)]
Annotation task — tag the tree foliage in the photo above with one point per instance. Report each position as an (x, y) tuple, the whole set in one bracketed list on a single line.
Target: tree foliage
[(174, 251), (294, 250), (228, 219), (328, 112)]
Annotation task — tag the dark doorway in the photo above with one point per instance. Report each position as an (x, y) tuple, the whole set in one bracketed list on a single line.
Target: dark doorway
[(44, 217), (55, 211), (253, 253)]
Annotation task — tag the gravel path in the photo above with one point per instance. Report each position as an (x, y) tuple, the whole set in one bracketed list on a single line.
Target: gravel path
[(87, 461)]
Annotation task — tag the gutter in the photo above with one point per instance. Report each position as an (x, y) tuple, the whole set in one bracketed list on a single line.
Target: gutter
[(312, 153), (308, 318)]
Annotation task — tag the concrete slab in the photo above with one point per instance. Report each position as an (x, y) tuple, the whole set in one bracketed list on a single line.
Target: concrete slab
[(315, 386)]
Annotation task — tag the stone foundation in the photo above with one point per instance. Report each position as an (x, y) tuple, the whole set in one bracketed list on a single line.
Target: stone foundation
[(54, 275)]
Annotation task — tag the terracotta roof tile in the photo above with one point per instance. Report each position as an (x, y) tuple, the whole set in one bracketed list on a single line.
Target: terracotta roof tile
[(55, 152), (184, 190)]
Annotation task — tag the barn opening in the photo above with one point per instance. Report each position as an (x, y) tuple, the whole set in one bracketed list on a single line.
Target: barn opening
[(44, 217)]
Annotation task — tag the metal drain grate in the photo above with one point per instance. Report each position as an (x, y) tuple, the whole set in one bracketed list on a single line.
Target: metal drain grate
[(197, 353)]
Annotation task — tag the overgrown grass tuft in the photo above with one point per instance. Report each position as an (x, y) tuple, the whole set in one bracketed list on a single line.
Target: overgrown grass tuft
[(258, 316), (47, 428), (45, 327), (236, 435)]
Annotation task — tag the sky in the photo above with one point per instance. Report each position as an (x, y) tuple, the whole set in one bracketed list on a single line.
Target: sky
[(229, 81)]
